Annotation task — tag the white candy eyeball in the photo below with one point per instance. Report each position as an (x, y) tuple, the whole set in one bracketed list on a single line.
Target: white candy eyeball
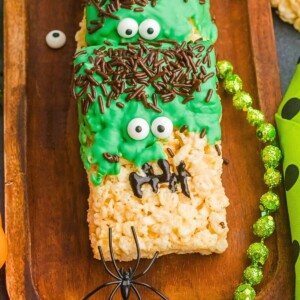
[(128, 28), (149, 29), (56, 39), (138, 129), (162, 127)]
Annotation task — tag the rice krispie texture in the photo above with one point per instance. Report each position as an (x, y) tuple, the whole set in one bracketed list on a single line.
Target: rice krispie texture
[(166, 222), (289, 11)]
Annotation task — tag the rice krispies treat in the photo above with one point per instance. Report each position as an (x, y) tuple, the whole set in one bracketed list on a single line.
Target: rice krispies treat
[(168, 222), (289, 11)]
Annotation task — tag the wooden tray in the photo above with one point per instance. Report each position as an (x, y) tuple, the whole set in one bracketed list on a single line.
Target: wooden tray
[(46, 186)]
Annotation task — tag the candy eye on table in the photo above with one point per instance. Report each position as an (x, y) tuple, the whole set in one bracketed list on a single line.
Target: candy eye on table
[(56, 39)]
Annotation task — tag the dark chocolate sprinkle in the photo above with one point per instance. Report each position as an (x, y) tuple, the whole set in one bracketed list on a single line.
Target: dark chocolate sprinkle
[(183, 128), (111, 158), (130, 70), (203, 133), (209, 95), (218, 149), (171, 153), (225, 161), (222, 224)]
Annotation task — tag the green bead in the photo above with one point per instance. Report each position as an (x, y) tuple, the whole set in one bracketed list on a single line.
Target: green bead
[(253, 274), (270, 201), (232, 84), (242, 101), (272, 178), (244, 292), (225, 68), (264, 227), (255, 117), (271, 156), (258, 253), (266, 133)]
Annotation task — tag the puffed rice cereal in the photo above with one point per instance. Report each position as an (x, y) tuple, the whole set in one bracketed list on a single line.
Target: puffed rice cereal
[(289, 11)]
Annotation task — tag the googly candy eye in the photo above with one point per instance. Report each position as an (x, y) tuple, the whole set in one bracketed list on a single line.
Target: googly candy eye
[(128, 28), (162, 127), (149, 29), (138, 129), (56, 39)]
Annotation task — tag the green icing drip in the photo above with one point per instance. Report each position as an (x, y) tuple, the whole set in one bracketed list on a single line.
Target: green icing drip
[(173, 16), (107, 133)]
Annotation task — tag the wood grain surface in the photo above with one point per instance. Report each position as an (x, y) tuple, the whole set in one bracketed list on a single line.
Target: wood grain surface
[(46, 186)]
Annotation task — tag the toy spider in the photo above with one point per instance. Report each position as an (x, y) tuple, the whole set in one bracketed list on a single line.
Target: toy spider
[(125, 280)]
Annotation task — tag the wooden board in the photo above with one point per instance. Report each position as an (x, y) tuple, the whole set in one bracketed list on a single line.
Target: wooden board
[(46, 186)]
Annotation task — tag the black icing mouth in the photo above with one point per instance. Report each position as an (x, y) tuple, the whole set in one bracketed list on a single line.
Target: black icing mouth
[(137, 181)]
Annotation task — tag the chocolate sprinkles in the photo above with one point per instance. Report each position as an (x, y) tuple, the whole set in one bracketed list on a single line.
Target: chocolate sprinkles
[(111, 158), (129, 70), (218, 149), (183, 128), (225, 161), (107, 8), (209, 95), (203, 133), (171, 153)]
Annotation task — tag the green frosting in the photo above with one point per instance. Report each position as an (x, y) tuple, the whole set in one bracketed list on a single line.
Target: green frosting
[(107, 132), (175, 18)]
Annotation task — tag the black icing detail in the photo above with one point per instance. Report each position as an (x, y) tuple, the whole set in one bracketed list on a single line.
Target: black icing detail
[(291, 176), (296, 250), (291, 108), (137, 181), (181, 178)]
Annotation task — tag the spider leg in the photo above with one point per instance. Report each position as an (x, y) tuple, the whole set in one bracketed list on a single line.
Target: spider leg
[(112, 253), (114, 291), (152, 289), (105, 265), (136, 292), (99, 288), (137, 249), (148, 268)]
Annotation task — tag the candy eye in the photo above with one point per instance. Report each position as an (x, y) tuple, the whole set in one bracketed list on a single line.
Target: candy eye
[(128, 28), (162, 127), (149, 29), (138, 129), (56, 39)]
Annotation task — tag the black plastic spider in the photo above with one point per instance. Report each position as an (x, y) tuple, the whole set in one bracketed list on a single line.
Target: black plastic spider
[(125, 280)]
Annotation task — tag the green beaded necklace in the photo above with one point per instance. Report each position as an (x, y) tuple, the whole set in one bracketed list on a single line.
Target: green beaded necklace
[(269, 203)]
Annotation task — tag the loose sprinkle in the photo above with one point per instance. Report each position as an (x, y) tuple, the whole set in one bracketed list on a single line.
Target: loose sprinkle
[(171, 153), (203, 133), (218, 150), (209, 95), (226, 161), (111, 158), (183, 128)]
